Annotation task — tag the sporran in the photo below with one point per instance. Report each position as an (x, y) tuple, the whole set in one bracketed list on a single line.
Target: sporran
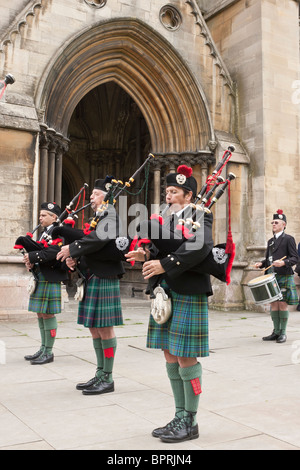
[(161, 306)]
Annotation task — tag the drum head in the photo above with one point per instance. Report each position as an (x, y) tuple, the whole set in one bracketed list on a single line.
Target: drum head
[(261, 279)]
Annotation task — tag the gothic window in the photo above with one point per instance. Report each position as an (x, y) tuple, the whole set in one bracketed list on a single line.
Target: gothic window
[(170, 17)]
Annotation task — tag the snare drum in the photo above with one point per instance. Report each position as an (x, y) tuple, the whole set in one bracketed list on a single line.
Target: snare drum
[(265, 289)]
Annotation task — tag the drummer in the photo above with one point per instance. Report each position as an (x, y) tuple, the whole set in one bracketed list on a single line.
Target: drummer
[(280, 246)]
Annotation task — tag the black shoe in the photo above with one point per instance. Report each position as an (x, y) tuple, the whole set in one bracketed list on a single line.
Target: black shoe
[(181, 431), (99, 387), (271, 337), (84, 385), (158, 432), (43, 359), (34, 356), (281, 339), (298, 308)]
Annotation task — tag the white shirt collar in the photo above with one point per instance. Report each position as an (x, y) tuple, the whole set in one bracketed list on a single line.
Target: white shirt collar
[(277, 235), (180, 211)]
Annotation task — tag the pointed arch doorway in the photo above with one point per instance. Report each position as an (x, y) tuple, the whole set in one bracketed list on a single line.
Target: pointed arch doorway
[(116, 72)]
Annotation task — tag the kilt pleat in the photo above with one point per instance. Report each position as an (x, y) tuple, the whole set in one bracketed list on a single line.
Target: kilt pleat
[(46, 298), (186, 333), (101, 306), (288, 289)]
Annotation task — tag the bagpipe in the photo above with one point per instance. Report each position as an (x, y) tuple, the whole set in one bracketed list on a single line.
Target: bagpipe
[(116, 247), (50, 238), (48, 244), (166, 240)]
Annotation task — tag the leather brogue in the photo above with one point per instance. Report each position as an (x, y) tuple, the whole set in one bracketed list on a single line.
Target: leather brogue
[(272, 337), (281, 339), (158, 432), (43, 359), (99, 387), (34, 356), (180, 432), (84, 385)]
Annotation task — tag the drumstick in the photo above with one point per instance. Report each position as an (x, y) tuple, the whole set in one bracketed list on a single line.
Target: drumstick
[(273, 264)]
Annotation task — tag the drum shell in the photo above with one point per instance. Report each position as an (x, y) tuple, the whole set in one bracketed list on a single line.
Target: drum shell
[(265, 289)]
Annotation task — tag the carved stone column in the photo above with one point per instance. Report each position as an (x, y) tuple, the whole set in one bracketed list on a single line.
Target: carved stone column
[(52, 147), (62, 148), (51, 164), (157, 182), (44, 145)]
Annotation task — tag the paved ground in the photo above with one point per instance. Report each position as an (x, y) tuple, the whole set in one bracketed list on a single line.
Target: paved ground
[(250, 396)]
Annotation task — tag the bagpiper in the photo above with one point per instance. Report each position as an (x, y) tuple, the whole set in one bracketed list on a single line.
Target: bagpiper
[(184, 336), (100, 310), (46, 299)]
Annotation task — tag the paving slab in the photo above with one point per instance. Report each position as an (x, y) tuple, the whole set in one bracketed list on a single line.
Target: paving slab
[(250, 387)]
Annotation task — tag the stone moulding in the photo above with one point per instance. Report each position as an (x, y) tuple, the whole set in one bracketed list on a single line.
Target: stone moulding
[(204, 31), (99, 4), (20, 20)]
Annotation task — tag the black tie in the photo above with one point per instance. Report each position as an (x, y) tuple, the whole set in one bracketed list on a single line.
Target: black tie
[(172, 222)]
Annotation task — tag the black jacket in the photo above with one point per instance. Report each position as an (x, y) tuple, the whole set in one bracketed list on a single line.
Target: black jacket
[(277, 248), (91, 248), (179, 264), (53, 270)]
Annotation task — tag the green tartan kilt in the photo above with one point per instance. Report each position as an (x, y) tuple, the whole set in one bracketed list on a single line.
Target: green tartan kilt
[(46, 298), (101, 306), (288, 289), (185, 334)]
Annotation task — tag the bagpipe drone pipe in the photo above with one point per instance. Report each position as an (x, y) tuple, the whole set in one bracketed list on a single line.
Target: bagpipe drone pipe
[(49, 245), (192, 231), (64, 233)]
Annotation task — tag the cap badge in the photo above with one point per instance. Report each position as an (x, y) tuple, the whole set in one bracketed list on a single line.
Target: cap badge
[(180, 178)]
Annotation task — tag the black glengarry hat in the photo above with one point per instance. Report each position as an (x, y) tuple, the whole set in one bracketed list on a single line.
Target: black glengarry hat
[(51, 207), (183, 179)]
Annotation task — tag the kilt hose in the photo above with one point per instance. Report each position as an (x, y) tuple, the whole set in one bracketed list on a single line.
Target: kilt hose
[(185, 334), (46, 298), (288, 289), (101, 306)]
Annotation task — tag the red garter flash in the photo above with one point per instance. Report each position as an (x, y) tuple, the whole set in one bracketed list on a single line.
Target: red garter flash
[(53, 333), (109, 353), (196, 386)]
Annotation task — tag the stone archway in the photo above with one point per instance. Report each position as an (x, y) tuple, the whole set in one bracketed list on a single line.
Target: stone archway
[(140, 61)]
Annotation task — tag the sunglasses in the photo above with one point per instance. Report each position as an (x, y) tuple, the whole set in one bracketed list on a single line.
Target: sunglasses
[(274, 222)]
